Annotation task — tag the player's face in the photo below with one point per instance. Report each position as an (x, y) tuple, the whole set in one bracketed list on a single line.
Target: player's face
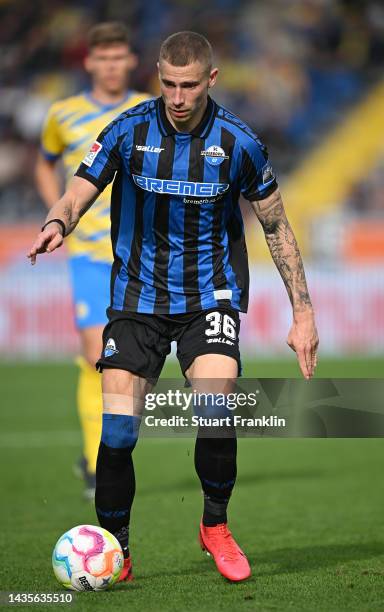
[(185, 90), (109, 66)]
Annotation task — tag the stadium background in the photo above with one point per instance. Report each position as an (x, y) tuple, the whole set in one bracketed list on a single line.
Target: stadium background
[(307, 75)]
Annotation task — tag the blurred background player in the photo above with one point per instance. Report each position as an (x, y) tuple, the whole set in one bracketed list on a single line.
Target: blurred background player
[(70, 128)]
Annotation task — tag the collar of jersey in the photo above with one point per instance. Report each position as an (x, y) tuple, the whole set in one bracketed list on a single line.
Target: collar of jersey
[(200, 131), (107, 107)]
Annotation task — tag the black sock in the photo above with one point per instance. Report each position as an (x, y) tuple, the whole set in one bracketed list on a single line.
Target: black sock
[(115, 490), (123, 537), (215, 511), (215, 463)]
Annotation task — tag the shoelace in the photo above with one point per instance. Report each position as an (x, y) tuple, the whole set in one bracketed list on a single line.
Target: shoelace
[(223, 536)]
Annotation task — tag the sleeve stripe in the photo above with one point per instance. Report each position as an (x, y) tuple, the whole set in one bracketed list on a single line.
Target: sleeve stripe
[(261, 195), (49, 156), (254, 191), (82, 173), (250, 172)]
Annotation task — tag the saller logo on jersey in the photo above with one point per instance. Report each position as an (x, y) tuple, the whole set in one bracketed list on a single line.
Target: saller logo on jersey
[(199, 190), (149, 149), (91, 155)]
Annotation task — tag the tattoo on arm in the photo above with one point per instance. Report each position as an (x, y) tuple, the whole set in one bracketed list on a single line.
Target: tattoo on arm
[(67, 212), (74, 203), (284, 249), (72, 217)]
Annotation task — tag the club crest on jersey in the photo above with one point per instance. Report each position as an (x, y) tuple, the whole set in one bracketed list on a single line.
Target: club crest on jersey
[(110, 348), (92, 153), (214, 155)]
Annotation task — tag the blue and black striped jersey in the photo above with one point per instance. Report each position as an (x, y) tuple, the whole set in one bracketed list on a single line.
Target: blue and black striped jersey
[(176, 226)]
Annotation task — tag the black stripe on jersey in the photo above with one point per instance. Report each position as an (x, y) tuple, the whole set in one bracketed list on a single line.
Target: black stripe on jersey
[(227, 142), (115, 224), (133, 290), (249, 175), (161, 228), (112, 164), (238, 257), (191, 230), (248, 172)]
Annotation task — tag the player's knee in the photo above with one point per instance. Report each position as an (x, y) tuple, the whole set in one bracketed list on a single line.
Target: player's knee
[(212, 405), (120, 430)]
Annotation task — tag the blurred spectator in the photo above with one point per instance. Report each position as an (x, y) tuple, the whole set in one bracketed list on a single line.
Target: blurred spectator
[(288, 68), (368, 196)]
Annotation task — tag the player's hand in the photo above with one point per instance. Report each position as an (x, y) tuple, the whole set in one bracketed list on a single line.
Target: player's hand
[(47, 241), (304, 340)]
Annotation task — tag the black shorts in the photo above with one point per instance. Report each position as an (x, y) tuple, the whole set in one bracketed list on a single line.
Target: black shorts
[(140, 343)]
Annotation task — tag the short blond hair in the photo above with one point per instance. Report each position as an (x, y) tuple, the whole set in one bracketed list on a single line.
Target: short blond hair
[(183, 48)]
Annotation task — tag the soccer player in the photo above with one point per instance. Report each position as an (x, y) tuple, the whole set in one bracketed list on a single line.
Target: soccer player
[(70, 128), (180, 271)]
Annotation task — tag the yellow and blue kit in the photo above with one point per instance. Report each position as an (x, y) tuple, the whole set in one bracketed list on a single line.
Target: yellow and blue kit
[(70, 129)]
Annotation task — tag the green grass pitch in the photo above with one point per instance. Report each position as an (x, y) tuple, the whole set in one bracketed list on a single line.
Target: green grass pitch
[(308, 512)]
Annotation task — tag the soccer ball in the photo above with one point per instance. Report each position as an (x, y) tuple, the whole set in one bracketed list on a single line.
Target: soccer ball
[(87, 558)]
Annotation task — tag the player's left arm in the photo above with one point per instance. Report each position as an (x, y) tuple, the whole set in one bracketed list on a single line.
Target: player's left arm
[(302, 337)]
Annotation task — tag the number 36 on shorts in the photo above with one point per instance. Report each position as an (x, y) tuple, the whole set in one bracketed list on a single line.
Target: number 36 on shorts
[(220, 323)]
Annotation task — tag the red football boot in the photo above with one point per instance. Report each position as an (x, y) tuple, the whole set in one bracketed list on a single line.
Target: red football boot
[(126, 573), (228, 556)]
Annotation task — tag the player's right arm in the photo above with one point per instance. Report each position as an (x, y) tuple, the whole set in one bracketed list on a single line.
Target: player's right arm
[(79, 196), (97, 169)]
